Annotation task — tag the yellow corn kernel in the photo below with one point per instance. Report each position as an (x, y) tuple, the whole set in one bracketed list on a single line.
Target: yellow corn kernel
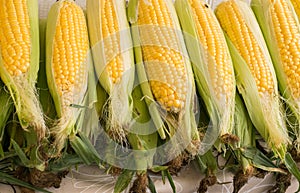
[(70, 48), (212, 39), (15, 36), (164, 64), (287, 34), (296, 4), (111, 38), (239, 33)]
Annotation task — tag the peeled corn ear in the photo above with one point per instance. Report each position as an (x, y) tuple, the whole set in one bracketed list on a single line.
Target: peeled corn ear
[(67, 47), (19, 59), (212, 64), (256, 79), (113, 60), (281, 29), (164, 70)]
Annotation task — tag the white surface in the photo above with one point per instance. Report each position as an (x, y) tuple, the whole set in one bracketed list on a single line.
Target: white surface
[(89, 179)]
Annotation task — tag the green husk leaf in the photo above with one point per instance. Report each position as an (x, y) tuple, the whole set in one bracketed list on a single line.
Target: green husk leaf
[(82, 148), (33, 162), (260, 160), (207, 163), (91, 148), (50, 33), (140, 136), (21, 154), (244, 130), (87, 122), (123, 181), (264, 111), (42, 85), (243, 126), (221, 115), (5, 112)]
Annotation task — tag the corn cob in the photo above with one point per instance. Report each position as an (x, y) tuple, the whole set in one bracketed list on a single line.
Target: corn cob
[(113, 58), (19, 60), (67, 48), (282, 34), (164, 70), (256, 78), (211, 61)]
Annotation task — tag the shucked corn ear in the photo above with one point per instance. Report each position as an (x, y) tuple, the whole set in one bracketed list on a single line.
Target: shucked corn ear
[(67, 48), (211, 61), (19, 60), (113, 59), (281, 29), (164, 69), (256, 79)]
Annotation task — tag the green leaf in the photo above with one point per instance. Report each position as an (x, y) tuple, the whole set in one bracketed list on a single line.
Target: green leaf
[(92, 149), (171, 181), (14, 181), (82, 150), (20, 153), (157, 168), (123, 181), (163, 176), (65, 162), (260, 160), (292, 167), (151, 185)]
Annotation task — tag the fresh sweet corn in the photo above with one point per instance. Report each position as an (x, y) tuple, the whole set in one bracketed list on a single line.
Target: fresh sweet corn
[(67, 48), (280, 26), (245, 42), (164, 71), (19, 60), (211, 60), (255, 74), (113, 59), (164, 64)]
